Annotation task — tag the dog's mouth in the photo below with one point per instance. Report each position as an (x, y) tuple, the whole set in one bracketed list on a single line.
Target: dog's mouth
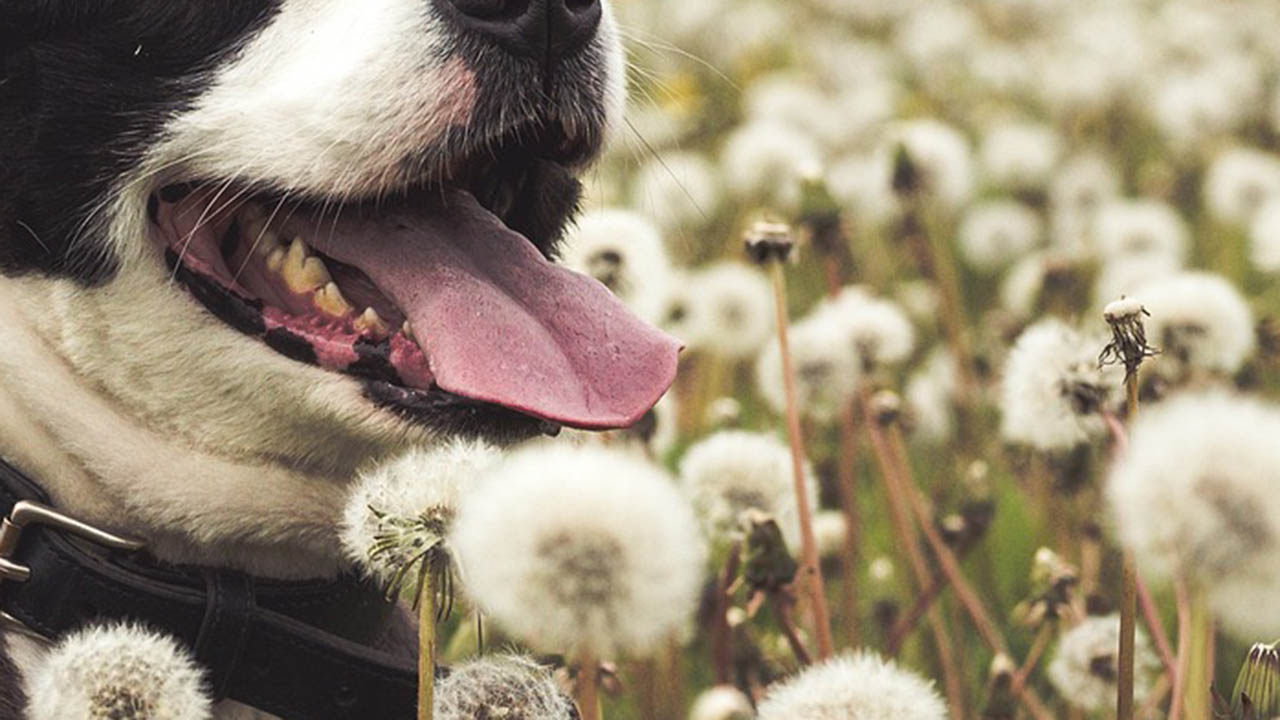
[(426, 293)]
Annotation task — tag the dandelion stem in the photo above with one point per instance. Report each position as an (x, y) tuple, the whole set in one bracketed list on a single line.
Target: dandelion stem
[(1033, 657), (911, 619), (809, 546), (902, 525), (1178, 694), (721, 635), (782, 605), (1128, 594), (588, 688), (426, 647), (1199, 654)]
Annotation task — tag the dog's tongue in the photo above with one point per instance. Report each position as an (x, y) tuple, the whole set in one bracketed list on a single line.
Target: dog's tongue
[(501, 324)]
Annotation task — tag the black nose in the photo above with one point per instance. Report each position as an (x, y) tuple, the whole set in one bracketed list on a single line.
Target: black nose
[(539, 28)]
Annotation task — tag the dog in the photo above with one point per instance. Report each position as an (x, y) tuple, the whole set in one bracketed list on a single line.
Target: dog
[(250, 248)]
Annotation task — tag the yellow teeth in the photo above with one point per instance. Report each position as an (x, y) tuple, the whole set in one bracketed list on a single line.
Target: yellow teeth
[(408, 331), (275, 261), (329, 300), (303, 273), (370, 322)]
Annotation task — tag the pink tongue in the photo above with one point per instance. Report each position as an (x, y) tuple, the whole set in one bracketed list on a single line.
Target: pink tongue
[(501, 324)]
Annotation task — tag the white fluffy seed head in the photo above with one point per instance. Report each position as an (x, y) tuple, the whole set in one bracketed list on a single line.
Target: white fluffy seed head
[(1020, 154), (1196, 495), (679, 190), (1264, 238), (510, 687), (683, 311), (930, 396), (862, 182), (830, 528), (580, 549), (766, 161), (826, 371), (1127, 274), (734, 471), (413, 497), (625, 252), (1200, 322), (723, 702), (878, 330), (941, 154), (1239, 182), (117, 671), (1141, 227), (1085, 664), (1053, 388), (736, 305), (854, 686), (1083, 184), (996, 233)]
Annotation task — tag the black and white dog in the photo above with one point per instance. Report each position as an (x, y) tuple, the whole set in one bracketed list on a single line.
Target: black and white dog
[(249, 247)]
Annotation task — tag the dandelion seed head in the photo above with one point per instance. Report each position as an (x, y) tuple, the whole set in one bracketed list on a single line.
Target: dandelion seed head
[(723, 702), (117, 671), (625, 252), (1085, 667), (399, 508), (1053, 388), (995, 233), (1084, 183), (930, 396), (877, 329), (683, 311), (767, 160), (829, 530), (506, 687), (942, 155), (1020, 154), (1127, 274), (575, 549), (853, 686), (1141, 227), (1264, 238), (1195, 495), (734, 471), (1199, 322), (737, 309), (1239, 182), (677, 189), (826, 371), (863, 183)]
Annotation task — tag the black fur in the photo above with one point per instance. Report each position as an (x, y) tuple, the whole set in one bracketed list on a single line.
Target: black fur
[(85, 88)]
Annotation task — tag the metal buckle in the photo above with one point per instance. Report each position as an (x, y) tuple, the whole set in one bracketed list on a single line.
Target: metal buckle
[(26, 514)]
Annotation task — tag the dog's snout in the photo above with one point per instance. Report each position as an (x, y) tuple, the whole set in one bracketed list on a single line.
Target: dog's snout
[(538, 28)]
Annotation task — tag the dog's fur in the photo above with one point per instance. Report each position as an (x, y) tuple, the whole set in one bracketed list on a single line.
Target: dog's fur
[(132, 405)]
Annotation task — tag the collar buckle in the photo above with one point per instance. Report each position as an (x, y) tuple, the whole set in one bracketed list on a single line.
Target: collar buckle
[(26, 514)]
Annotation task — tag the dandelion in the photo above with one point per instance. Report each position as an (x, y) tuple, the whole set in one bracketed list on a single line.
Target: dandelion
[(862, 182), (829, 529), (737, 309), (1142, 228), (1194, 497), (1201, 324), (941, 155), (723, 702), (509, 687), (826, 371), (1083, 184), (734, 471), (395, 528), (1053, 389), (625, 252), (1257, 687), (854, 686), (682, 311), (583, 550), (1019, 155), (677, 189), (767, 160), (1085, 668), (931, 396), (877, 330), (1240, 181), (1264, 238), (117, 671), (1127, 274), (993, 234)]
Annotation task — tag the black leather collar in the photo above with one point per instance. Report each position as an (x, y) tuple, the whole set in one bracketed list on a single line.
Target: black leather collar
[(300, 651)]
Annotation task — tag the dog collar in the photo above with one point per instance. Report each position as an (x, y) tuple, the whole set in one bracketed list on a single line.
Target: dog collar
[(297, 650)]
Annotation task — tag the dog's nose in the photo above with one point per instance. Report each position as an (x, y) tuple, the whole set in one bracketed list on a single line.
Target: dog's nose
[(538, 28)]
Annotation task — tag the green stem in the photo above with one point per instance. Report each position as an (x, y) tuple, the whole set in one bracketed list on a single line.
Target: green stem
[(1199, 674), (426, 648)]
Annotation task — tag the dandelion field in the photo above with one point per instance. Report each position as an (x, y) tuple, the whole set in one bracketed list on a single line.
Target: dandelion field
[(969, 189)]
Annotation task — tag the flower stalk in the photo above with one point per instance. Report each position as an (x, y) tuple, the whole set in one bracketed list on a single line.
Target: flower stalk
[(770, 245)]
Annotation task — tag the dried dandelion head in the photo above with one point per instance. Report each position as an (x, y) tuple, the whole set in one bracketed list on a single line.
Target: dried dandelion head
[(501, 687)]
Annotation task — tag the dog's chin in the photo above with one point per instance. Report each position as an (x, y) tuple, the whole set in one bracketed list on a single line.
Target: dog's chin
[(439, 299)]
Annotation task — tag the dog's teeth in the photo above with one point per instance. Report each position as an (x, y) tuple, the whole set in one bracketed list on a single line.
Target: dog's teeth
[(330, 301), (266, 243), (275, 261), (407, 330), (302, 272), (370, 322)]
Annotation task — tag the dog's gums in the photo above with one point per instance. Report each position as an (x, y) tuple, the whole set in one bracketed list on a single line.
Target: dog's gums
[(427, 292)]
